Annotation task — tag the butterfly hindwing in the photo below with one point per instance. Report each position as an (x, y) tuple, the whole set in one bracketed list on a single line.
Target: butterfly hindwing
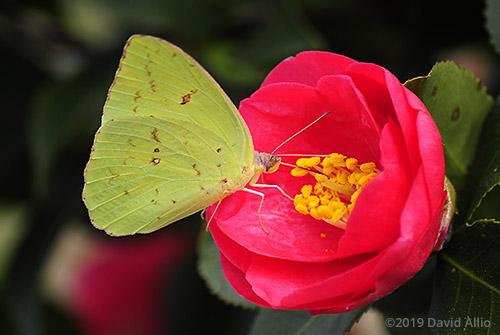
[(147, 172)]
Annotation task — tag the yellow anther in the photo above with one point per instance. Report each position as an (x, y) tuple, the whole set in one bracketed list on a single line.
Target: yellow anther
[(342, 176), (367, 167), (312, 201), (299, 200), (354, 197), (328, 166), (351, 163), (302, 209), (365, 179), (338, 160), (318, 189), (325, 199), (302, 162), (337, 215), (313, 161), (299, 172), (334, 195), (306, 190), (327, 161), (355, 177), (326, 212), (315, 214)]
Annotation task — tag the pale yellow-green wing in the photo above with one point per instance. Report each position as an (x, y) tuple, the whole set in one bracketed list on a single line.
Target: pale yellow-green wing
[(147, 172), (157, 78), (170, 144)]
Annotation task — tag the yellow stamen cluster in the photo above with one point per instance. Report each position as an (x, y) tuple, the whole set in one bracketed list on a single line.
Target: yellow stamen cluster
[(339, 181)]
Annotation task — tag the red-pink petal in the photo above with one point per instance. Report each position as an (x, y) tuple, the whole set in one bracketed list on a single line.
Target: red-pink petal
[(373, 226), (312, 66)]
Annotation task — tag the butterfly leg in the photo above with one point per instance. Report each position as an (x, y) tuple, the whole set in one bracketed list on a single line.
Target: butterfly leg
[(215, 210), (274, 186), (260, 206)]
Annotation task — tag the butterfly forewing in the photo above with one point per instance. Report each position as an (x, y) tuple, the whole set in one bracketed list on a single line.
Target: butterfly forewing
[(158, 78)]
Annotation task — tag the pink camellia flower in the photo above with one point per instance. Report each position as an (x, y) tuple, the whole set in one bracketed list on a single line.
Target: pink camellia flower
[(363, 244)]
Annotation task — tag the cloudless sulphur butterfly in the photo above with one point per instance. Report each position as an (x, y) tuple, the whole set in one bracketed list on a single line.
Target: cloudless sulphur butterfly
[(170, 144)]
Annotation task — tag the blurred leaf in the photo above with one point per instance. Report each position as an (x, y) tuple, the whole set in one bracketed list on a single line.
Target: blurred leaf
[(210, 269), (492, 14), (459, 104), (270, 322), (276, 30), (61, 111), (227, 66), (467, 283), (11, 232), (101, 22), (485, 172)]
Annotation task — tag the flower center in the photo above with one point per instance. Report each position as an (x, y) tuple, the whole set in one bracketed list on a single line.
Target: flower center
[(339, 181)]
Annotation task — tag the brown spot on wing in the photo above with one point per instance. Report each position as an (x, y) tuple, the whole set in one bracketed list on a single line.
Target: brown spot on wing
[(153, 86), (455, 114), (146, 67), (137, 96), (187, 97), (156, 150), (156, 160), (154, 135), (197, 171)]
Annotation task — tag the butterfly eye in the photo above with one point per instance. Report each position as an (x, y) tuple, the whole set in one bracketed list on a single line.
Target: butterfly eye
[(272, 164)]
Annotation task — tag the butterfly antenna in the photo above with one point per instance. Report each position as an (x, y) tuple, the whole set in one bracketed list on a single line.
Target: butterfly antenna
[(300, 131)]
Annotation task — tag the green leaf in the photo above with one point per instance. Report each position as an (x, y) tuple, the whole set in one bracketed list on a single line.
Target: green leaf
[(467, 283), (492, 14), (459, 104), (485, 172), (211, 271), (12, 228), (272, 321)]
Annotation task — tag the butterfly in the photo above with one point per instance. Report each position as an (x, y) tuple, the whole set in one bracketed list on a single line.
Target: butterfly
[(171, 143)]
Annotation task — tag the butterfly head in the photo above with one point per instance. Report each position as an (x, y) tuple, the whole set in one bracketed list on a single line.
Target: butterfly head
[(267, 162)]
